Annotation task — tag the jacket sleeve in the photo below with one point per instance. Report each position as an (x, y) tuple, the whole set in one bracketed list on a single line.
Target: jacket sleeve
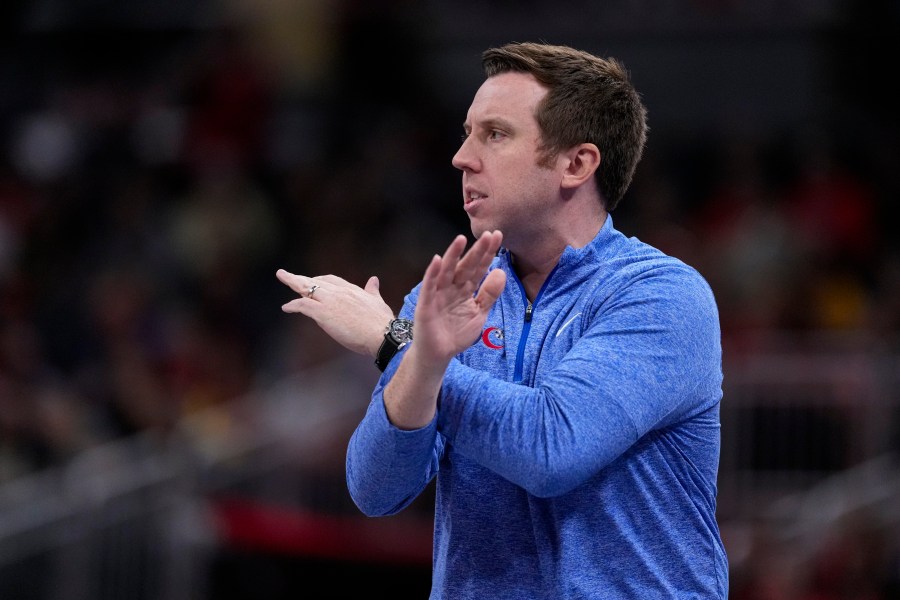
[(649, 357), (387, 467)]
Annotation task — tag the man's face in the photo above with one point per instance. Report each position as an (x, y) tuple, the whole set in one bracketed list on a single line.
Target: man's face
[(503, 186)]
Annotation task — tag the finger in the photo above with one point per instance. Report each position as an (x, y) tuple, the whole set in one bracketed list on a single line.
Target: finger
[(490, 289), (298, 283), (285, 277), (490, 252), (430, 280), (303, 285), (373, 285), (304, 306), (496, 241), (475, 263), (450, 259), (466, 267)]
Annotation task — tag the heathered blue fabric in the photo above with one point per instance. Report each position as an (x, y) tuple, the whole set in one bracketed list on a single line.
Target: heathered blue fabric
[(595, 475)]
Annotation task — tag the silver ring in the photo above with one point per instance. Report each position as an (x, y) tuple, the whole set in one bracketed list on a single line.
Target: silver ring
[(312, 291)]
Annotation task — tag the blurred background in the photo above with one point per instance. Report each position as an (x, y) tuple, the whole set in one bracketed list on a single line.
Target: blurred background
[(166, 432)]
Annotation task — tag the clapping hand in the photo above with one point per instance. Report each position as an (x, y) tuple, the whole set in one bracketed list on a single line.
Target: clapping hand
[(449, 314), (354, 317)]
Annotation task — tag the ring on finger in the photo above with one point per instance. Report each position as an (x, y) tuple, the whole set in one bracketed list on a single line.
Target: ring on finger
[(311, 291)]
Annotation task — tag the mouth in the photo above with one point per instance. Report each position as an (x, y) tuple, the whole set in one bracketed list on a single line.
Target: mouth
[(472, 198)]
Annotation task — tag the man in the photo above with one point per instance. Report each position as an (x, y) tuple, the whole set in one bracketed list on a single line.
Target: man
[(563, 381)]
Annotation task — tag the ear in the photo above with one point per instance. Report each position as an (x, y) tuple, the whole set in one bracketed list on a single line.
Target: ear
[(582, 162)]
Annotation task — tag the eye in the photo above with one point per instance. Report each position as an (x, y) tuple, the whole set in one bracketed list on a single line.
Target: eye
[(495, 135)]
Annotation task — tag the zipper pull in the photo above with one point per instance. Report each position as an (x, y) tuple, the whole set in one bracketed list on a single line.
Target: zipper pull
[(528, 310)]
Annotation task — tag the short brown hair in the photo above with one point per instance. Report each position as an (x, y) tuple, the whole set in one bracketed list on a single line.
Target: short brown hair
[(590, 99)]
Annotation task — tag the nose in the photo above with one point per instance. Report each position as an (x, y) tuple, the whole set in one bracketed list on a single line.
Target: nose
[(465, 158)]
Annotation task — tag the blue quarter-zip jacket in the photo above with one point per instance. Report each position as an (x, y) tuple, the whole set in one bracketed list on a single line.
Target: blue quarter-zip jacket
[(576, 444)]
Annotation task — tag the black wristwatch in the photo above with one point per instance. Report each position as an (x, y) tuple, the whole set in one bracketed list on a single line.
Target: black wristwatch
[(399, 333)]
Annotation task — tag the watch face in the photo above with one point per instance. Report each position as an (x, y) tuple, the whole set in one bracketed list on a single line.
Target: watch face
[(401, 330)]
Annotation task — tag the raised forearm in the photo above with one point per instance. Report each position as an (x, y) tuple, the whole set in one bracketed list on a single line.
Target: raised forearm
[(449, 317), (410, 399)]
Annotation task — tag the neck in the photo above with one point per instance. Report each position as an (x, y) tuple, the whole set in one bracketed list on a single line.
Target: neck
[(534, 263)]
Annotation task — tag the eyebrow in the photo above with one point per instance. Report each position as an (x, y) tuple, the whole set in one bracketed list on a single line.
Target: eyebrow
[(490, 123)]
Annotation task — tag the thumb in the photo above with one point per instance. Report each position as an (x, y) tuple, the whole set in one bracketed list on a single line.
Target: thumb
[(490, 289), (372, 285)]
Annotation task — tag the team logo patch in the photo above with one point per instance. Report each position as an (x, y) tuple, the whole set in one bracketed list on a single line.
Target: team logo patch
[(492, 337)]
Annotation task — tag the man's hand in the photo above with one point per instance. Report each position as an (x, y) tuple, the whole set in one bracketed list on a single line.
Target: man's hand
[(449, 318), (449, 315), (354, 317)]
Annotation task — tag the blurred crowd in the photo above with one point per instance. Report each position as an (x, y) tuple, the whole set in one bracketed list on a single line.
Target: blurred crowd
[(151, 186), (794, 238), (147, 199)]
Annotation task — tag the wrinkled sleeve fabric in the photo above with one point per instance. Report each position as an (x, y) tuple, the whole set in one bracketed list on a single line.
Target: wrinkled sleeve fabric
[(387, 467), (649, 356)]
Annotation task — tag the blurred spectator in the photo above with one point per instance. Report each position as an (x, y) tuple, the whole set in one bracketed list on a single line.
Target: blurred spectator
[(749, 252), (831, 214), (850, 562)]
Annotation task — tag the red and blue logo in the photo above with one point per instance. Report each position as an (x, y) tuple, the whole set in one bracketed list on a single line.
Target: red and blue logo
[(492, 337)]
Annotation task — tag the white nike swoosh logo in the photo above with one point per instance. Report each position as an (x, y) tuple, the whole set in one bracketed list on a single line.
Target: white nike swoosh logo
[(566, 324)]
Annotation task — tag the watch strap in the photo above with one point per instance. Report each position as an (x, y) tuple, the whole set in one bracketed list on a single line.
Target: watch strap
[(397, 334), (389, 347)]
